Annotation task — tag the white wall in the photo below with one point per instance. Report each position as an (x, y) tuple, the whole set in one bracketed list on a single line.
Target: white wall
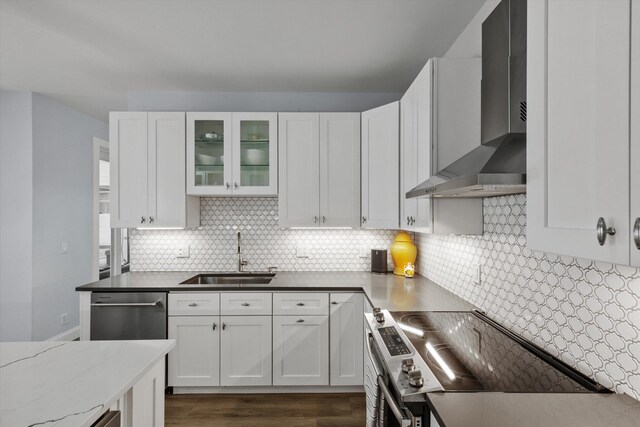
[(62, 210), (46, 172), (258, 101), (15, 215), (469, 42)]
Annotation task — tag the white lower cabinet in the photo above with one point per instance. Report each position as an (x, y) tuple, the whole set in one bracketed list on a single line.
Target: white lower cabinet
[(300, 351), (245, 350), (346, 339), (195, 360)]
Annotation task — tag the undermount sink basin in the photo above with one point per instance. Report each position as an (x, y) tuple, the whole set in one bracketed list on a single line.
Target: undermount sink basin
[(230, 279)]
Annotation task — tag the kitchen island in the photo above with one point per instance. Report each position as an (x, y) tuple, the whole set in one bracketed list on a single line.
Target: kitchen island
[(75, 383)]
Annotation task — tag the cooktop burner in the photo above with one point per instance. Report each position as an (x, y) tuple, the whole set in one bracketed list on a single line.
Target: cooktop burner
[(466, 353)]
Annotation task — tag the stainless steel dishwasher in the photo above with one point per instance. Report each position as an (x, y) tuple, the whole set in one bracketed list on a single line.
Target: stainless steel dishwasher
[(128, 315)]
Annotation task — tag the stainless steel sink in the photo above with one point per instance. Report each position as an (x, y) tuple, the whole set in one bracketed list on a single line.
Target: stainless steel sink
[(256, 278)]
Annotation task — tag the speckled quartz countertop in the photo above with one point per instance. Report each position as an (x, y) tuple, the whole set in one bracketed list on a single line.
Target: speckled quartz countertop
[(70, 383), (387, 291)]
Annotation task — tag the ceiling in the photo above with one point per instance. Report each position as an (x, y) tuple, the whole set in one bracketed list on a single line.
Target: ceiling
[(88, 54)]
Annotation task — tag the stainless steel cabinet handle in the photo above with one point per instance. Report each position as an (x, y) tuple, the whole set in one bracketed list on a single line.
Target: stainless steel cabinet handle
[(300, 304), (245, 304), (228, 185), (315, 219), (364, 219), (235, 185), (142, 220), (300, 320), (324, 219), (407, 220), (151, 219), (127, 304), (603, 231), (213, 328), (193, 304), (224, 326), (636, 233), (413, 220), (335, 302)]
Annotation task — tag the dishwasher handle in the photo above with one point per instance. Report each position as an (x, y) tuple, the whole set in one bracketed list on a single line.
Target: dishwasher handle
[(127, 304)]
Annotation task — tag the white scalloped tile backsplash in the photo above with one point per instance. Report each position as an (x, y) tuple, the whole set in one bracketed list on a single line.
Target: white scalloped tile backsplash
[(585, 312), (213, 245)]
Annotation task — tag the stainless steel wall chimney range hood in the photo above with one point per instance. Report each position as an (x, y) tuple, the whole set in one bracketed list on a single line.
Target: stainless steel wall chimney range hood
[(499, 165)]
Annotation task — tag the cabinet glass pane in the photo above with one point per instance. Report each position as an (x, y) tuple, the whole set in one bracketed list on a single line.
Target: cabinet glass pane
[(254, 153), (209, 161)]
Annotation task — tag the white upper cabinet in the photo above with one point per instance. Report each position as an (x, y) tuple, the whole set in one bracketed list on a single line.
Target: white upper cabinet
[(440, 122), (319, 169), (232, 154), (635, 133), (380, 166), (148, 171), (578, 87)]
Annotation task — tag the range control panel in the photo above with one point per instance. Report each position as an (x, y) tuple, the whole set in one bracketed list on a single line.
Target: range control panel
[(393, 341)]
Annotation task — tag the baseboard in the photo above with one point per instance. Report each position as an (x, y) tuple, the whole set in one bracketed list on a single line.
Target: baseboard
[(70, 335), (268, 389)]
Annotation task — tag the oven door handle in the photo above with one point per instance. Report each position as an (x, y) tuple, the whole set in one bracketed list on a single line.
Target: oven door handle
[(402, 418), (372, 355)]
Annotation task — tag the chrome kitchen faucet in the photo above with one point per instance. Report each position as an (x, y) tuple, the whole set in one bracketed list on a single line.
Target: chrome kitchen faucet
[(241, 262)]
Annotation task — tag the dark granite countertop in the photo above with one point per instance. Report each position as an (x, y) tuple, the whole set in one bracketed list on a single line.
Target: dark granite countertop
[(382, 290), (534, 409)]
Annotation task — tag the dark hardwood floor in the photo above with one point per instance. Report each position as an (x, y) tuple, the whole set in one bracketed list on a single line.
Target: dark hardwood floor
[(266, 410)]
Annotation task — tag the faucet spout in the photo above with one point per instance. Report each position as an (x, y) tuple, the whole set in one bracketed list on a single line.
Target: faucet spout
[(241, 261)]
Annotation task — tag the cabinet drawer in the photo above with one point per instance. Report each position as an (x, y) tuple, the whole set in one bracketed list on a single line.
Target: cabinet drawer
[(194, 304), (301, 303), (245, 303)]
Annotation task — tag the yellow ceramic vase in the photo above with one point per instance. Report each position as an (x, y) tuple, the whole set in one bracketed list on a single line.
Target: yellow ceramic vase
[(402, 251)]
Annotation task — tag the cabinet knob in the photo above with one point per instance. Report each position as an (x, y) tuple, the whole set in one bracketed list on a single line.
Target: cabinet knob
[(300, 304), (413, 220), (224, 326), (245, 304), (636, 233), (364, 219), (300, 320), (213, 328), (193, 304), (324, 219), (235, 185), (228, 185), (315, 219), (142, 220), (335, 302), (603, 231), (151, 219)]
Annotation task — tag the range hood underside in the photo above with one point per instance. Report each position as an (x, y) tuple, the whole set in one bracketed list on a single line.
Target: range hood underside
[(480, 185)]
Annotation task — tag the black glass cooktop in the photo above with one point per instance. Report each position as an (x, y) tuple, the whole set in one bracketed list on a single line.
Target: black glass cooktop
[(465, 352)]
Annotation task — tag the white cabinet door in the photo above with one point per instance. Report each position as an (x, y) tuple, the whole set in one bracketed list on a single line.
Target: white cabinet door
[(209, 154), (166, 169), (300, 350), (346, 339), (340, 169), (635, 132), (255, 154), (380, 166), (298, 169), (194, 361), (128, 164), (408, 156), (245, 350), (578, 127)]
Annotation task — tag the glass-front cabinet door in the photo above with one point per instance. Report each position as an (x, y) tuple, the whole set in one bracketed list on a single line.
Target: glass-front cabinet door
[(255, 153), (209, 154)]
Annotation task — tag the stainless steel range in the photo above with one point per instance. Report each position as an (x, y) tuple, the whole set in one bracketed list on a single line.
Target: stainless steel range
[(412, 353)]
